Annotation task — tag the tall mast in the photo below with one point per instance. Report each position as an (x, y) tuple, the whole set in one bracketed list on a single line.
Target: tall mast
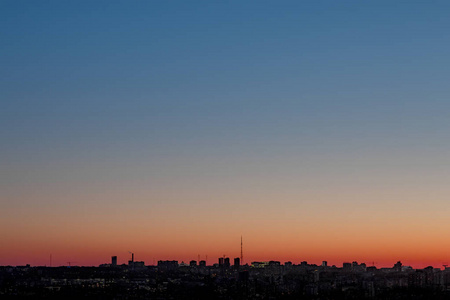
[(242, 253)]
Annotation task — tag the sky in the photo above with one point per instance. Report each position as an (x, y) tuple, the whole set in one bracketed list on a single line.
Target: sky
[(317, 130)]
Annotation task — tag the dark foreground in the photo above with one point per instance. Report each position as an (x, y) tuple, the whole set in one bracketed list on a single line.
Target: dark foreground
[(269, 281)]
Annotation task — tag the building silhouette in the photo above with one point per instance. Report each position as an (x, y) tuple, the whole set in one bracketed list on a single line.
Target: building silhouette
[(114, 261), (237, 263)]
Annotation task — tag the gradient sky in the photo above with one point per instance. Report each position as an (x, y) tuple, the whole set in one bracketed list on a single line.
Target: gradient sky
[(318, 130)]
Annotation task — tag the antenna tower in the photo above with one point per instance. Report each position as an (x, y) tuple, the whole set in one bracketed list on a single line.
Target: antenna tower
[(242, 253)]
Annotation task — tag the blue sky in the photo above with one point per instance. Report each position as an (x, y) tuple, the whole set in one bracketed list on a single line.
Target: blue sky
[(208, 67), (84, 80)]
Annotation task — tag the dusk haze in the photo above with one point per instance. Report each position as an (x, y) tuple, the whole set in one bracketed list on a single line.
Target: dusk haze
[(316, 130)]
